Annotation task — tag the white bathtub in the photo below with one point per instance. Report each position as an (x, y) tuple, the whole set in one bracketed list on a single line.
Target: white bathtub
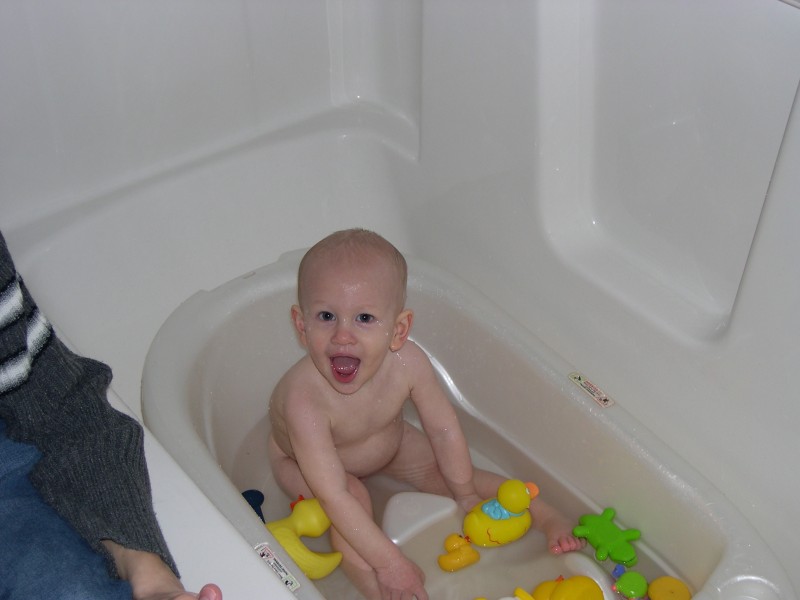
[(619, 176), (210, 370)]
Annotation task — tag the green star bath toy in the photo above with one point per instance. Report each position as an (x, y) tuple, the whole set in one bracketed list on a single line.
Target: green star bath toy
[(608, 540)]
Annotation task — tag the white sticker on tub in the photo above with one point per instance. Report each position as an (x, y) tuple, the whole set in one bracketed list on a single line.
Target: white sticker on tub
[(595, 392), (266, 553)]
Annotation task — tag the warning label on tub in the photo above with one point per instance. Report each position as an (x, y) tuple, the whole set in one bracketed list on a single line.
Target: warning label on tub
[(268, 556), (595, 392)]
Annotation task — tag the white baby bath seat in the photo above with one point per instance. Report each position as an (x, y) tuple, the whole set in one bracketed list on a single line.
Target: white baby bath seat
[(212, 366)]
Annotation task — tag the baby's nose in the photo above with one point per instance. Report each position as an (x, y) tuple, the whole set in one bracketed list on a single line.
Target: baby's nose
[(343, 334)]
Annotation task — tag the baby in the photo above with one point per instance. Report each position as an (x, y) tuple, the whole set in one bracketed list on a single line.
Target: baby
[(337, 413)]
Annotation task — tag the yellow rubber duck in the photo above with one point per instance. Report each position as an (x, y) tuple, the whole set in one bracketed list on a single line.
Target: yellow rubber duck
[(578, 587), (307, 519), (460, 554), (503, 519)]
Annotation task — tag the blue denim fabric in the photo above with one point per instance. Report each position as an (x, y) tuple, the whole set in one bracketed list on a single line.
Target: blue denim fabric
[(41, 556)]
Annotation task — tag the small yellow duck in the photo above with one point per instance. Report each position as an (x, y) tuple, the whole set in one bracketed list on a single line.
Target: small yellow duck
[(460, 554), (307, 519), (503, 519)]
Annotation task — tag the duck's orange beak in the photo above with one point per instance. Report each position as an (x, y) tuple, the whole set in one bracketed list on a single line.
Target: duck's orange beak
[(533, 489)]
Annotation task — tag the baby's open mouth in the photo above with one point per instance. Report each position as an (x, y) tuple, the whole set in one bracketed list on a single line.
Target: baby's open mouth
[(345, 368)]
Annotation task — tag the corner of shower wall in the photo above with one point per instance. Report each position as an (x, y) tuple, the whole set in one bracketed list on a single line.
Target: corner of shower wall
[(376, 59), (99, 98), (657, 165)]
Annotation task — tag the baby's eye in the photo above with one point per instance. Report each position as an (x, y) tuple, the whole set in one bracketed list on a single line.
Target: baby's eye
[(365, 318), (326, 316)]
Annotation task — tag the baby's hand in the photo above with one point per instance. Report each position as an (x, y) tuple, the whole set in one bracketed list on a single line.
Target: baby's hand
[(402, 579), (468, 502)]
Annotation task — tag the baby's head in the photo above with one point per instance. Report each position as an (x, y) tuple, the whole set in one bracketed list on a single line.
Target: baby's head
[(355, 247), (351, 315)]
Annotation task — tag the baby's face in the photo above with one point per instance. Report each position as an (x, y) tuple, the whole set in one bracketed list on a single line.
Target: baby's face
[(350, 320)]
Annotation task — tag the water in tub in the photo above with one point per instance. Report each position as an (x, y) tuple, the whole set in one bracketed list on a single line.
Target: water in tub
[(524, 563)]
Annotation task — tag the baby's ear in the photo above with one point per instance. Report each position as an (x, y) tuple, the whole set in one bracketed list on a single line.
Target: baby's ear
[(299, 324), (402, 327)]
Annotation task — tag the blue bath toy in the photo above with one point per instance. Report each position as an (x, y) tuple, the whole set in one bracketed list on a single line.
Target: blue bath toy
[(608, 540), (255, 499)]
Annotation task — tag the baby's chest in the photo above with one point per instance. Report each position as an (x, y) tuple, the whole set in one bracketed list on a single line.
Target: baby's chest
[(360, 420)]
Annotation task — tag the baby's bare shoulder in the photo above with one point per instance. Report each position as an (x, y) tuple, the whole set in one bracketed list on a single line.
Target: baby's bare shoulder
[(414, 360), (412, 350), (297, 386)]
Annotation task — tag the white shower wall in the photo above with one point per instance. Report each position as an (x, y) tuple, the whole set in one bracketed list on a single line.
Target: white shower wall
[(612, 200), (616, 174)]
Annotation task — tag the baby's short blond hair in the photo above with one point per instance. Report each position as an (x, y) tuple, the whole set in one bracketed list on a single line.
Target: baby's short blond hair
[(354, 244)]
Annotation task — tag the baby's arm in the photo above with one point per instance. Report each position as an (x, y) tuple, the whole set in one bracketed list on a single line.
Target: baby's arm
[(440, 423), (327, 479)]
